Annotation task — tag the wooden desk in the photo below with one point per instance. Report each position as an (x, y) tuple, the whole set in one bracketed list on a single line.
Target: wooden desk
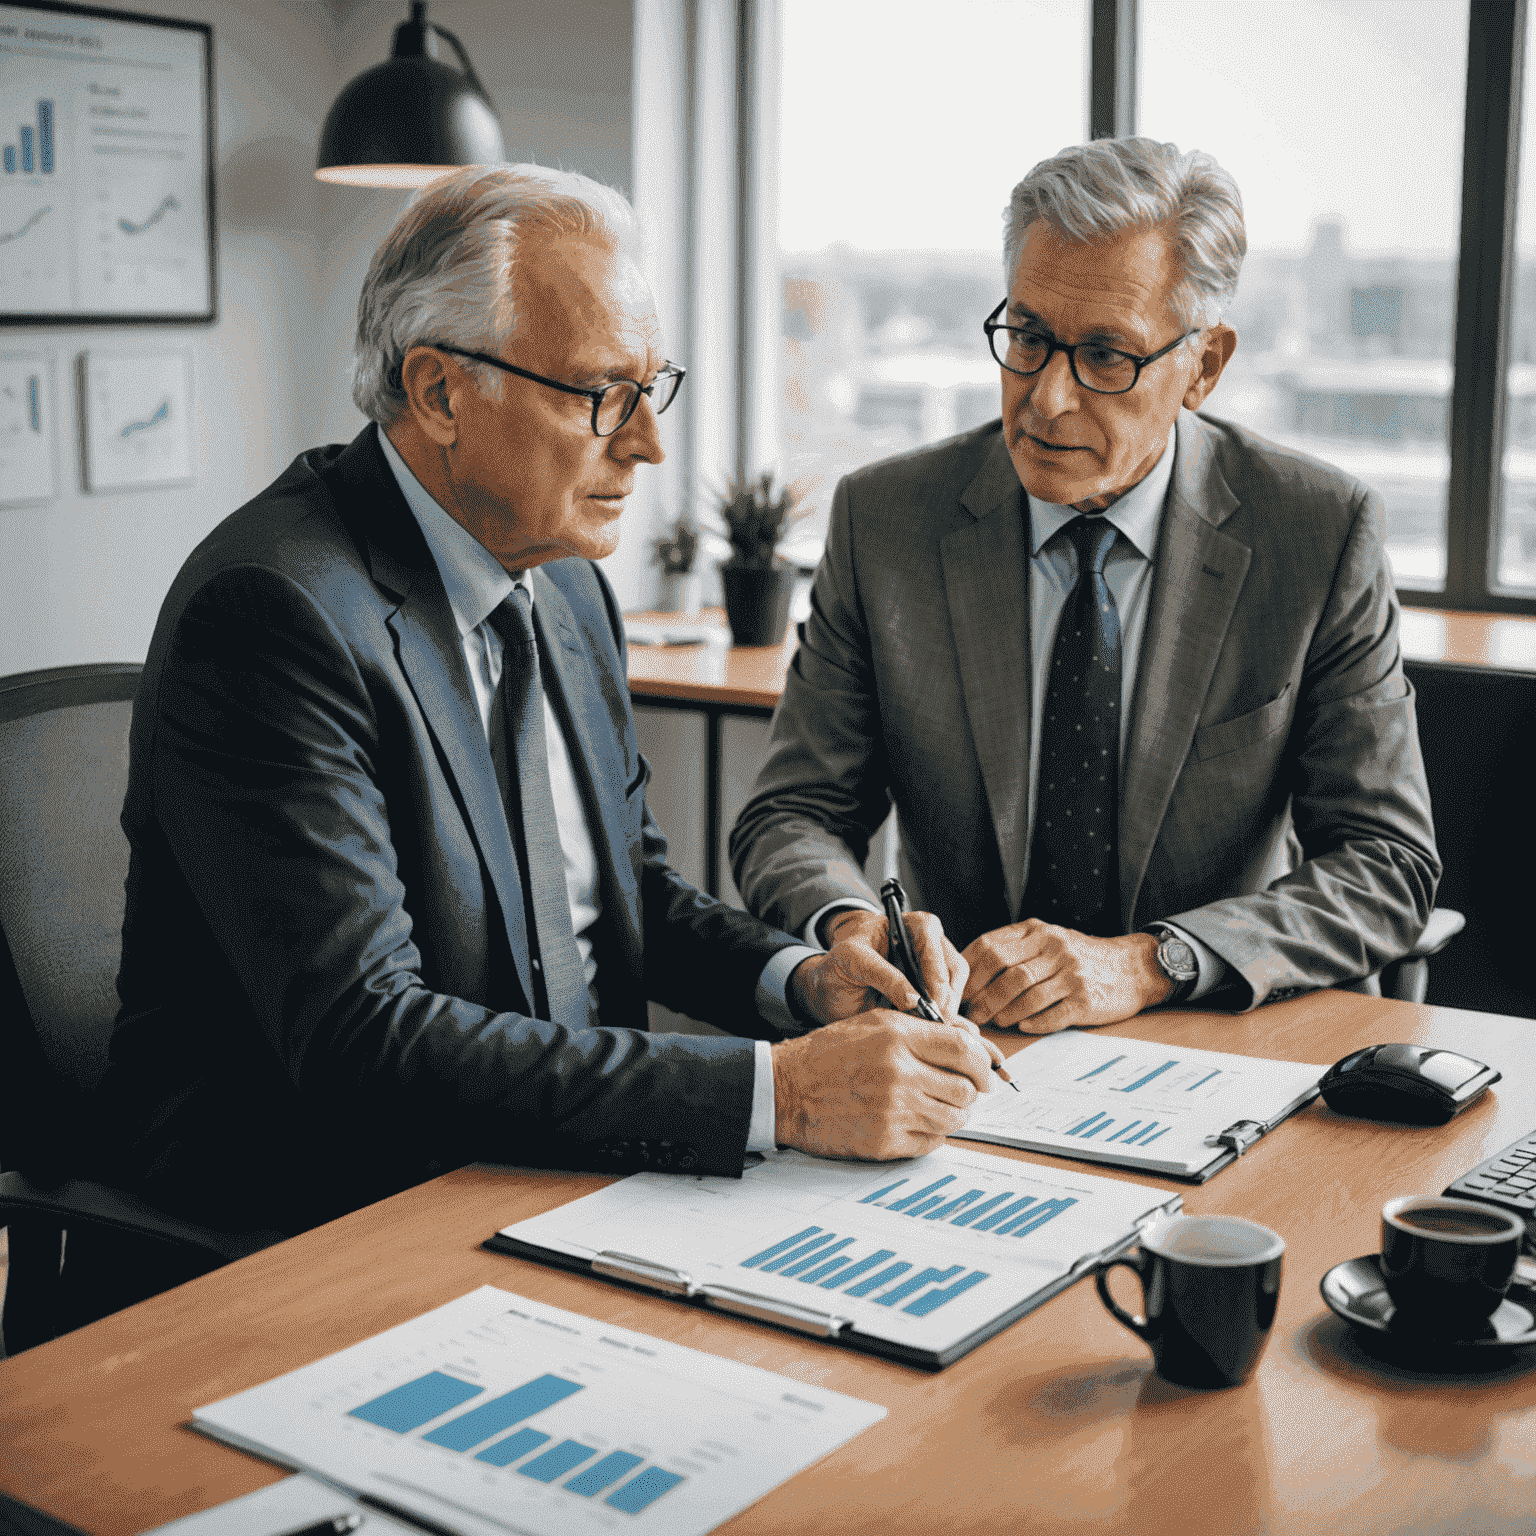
[(1057, 1425)]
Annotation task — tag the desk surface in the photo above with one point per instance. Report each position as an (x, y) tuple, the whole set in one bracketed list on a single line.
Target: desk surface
[(753, 676), (1056, 1425)]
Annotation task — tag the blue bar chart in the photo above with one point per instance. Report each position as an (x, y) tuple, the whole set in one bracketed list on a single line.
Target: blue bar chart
[(818, 1256), (34, 141), (418, 1402)]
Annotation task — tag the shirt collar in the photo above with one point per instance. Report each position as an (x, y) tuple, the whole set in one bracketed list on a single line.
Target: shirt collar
[(1137, 513), (475, 581)]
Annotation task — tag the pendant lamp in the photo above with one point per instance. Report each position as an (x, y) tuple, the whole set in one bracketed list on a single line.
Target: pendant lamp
[(407, 122)]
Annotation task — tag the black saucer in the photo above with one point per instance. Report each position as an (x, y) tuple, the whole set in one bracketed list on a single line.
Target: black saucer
[(1355, 1291)]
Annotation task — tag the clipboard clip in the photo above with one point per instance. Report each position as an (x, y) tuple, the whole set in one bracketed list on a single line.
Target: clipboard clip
[(769, 1309), (646, 1272), (1238, 1136)]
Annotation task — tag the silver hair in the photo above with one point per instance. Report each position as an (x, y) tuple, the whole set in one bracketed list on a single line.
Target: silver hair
[(1095, 191), (445, 272)]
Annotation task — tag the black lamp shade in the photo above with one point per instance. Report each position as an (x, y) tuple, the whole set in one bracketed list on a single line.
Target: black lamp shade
[(406, 122)]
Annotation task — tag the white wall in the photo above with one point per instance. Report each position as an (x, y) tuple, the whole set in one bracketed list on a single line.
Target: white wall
[(82, 578)]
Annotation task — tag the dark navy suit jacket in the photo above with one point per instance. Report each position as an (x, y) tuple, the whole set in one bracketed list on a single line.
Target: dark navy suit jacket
[(325, 978)]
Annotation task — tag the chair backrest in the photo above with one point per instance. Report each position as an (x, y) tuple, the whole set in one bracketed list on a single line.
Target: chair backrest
[(1477, 728), (63, 863)]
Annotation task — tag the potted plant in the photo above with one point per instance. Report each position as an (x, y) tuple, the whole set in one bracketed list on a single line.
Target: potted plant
[(675, 552), (757, 582)]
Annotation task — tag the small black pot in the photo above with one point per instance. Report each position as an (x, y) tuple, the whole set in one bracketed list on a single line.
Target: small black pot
[(757, 602)]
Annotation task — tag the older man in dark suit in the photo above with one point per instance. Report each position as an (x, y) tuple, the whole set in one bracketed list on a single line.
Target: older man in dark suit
[(395, 900), (1129, 673)]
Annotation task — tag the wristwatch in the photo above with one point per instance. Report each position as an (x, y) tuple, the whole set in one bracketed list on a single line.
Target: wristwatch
[(1177, 962)]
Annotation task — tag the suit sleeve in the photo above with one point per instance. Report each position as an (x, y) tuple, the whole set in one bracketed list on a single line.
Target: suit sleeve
[(267, 769), (802, 838), (1359, 802)]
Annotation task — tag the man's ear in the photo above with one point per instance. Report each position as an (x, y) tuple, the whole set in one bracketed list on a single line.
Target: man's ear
[(1216, 349), (429, 391)]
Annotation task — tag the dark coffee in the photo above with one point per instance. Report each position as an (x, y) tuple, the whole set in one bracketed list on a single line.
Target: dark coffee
[(1210, 1286), (1448, 1223)]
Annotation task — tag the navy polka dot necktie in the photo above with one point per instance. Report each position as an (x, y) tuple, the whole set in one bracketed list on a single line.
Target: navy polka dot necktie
[(1074, 872)]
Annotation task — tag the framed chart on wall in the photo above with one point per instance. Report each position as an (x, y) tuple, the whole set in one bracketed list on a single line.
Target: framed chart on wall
[(106, 167), (136, 411)]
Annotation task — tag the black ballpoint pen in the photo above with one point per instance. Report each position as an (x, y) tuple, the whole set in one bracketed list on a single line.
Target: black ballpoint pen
[(902, 957)]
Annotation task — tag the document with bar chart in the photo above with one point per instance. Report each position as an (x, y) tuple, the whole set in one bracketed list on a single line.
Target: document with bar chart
[(1138, 1104), (920, 1260), (495, 1414)]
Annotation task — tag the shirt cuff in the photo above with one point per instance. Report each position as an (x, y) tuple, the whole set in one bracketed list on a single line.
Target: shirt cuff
[(760, 1137), (772, 989), (808, 933), (1210, 965)]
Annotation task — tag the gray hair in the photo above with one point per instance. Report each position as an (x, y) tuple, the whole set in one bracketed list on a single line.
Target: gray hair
[(445, 271), (1095, 191)]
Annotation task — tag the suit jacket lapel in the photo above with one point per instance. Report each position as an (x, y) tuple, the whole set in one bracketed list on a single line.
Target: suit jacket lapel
[(431, 657), (986, 581), (1195, 586)]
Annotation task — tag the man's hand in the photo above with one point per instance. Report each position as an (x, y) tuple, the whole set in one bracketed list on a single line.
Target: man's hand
[(879, 1086), (1040, 978), (855, 976)]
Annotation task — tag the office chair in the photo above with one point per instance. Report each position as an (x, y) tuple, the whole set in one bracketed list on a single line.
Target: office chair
[(63, 861)]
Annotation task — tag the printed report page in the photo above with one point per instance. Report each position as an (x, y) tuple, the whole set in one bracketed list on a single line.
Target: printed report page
[(1113, 1099), (922, 1253), (498, 1414)]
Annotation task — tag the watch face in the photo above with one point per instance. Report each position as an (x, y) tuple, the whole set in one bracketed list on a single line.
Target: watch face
[(1177, 958)]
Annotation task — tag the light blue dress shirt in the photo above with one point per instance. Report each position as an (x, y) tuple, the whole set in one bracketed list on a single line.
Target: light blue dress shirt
[(1052, 574), (477, 584)]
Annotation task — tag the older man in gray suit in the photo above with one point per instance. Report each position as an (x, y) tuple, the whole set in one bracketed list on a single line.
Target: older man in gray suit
[(1130, 674)]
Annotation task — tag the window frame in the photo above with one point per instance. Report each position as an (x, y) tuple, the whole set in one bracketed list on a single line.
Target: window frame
[(1485, 277)]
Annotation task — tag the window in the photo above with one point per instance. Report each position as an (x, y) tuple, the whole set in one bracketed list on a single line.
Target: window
[(1514, 544), (893, 180), (1345, 310)]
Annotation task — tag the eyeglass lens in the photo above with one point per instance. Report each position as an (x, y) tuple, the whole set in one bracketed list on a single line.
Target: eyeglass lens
[(619, 401), (1100, 368)]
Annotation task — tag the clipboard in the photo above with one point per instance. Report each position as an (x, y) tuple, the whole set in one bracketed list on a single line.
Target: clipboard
[(887, 1258)]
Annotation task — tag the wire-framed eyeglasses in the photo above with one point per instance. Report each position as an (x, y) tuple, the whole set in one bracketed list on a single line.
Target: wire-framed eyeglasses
[(613, 404), (1026, 350)]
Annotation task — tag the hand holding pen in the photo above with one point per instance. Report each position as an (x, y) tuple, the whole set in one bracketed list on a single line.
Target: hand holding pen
[(901, 955)]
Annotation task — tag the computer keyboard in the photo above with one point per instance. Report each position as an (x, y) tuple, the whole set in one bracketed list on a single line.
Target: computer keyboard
[(1507, 1179)]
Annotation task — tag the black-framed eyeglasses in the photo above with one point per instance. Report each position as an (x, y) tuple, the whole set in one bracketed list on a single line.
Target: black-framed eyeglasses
[(1026, 350), (613, 404)]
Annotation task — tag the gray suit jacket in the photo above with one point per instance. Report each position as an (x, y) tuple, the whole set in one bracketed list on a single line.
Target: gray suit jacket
[(1273, 801)]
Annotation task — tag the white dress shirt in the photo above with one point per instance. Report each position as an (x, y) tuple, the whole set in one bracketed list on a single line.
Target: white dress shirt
[(477, 584), (1052, 574)]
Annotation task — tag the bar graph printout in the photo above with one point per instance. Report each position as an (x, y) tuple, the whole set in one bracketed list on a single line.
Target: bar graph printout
[(1135, 1103), (495, 1414), (924, 1254)]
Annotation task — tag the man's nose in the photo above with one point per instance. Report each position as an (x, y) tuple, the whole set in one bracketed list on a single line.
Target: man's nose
[(1055, 390), (640, 436)]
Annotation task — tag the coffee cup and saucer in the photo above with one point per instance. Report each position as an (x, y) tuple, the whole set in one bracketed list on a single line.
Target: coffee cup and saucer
[(1447, 1290)]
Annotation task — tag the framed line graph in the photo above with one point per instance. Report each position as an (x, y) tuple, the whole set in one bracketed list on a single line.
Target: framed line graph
[(106, 167), (136, 412)]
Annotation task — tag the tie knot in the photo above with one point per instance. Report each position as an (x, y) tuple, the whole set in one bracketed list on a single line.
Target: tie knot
[(512, 618), (1092, 538)]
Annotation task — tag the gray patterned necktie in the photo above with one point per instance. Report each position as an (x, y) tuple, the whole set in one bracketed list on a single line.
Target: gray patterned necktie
[(560, 988), (1074, 872)]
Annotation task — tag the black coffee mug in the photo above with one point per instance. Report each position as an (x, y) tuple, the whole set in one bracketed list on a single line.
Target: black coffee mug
[(1447, 1263), (1210, 1285)]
